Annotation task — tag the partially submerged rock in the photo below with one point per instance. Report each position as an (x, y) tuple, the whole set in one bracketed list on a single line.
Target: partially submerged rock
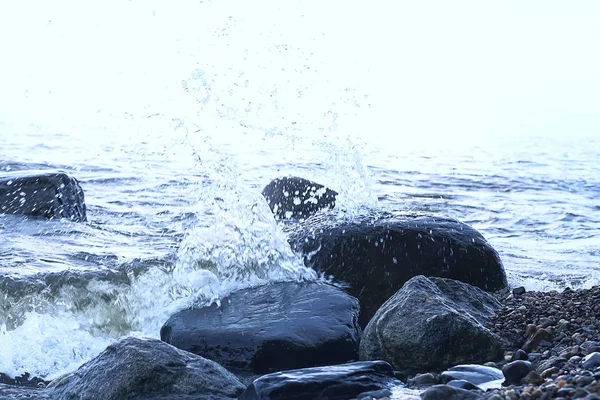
[(338, 382), (271, 328), (374, 256), (47, 194), (422, 328), (297, 198), (135, 368)]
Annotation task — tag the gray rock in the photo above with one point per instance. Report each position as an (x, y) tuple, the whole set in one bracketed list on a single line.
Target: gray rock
[(297, 198), (516, 370), (135, 368), (421, 328)]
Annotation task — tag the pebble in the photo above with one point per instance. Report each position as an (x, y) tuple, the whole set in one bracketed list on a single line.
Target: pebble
[(516, 370)]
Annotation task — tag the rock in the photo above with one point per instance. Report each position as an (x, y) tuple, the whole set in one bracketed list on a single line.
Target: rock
[(423, 380), (518, 291), (516, 370), (338, 382), (591, 361), (376, 394), (462, 384), (535, 340), (271, 328), (476, 374), (519, 355), (374, 255), (533, 378), (421, 328), (150, 369), (297, 198), (445, 392), (47, 194)]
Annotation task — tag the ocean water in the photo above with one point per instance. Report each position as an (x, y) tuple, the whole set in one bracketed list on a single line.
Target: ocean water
[(173, 117)]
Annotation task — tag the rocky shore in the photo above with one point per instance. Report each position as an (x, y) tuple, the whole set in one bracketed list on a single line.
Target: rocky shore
[(552, 348)]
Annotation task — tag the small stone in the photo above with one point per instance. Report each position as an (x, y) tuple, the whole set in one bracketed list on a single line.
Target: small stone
[(565, 392), (591, 361), (520, 355), (530, 329), (518, 291), (548, 372), (533, 378), (511, 394), (560, 383), (570, 352), (423, 380), (575, 359), (516, 370), (534, 341), (584, 380), (580, 393), (545, 322)]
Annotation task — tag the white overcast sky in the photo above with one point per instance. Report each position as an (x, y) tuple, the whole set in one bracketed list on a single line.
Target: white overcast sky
[(437, 68)]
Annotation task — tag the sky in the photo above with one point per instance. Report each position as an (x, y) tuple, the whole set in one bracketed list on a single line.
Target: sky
[(433, 69)]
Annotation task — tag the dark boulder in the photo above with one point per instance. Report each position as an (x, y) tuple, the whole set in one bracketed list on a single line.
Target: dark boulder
[(339, 382), (516, 370), (270, 328), (135, 368), (422, 328), (446, 392), (375, 255), (297, 198), (47, 194)]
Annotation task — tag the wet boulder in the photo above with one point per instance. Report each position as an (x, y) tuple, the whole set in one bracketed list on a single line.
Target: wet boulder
[(47, 194), (134, 368), (338, 382), (374, 255), (423, 328), (297, 198), (270, 328)]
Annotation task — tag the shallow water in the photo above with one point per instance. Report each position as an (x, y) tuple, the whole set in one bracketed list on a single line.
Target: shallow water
[(173, 144)]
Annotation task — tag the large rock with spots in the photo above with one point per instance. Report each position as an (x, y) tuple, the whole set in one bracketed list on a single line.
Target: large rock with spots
[(339, 382), (375, 255), (271, 328), (297, 198), (432, 324), (135, 368), (47, 194)]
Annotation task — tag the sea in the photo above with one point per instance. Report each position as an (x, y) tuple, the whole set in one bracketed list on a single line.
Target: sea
[(174, 116)]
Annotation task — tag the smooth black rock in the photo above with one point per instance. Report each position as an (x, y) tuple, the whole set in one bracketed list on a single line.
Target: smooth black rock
[(421, 328), (375, 255), (134, 368), (516, 370), (476, 374), (297, 198), (271, 328), (445, 392), (47, 194), (338, 382)]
